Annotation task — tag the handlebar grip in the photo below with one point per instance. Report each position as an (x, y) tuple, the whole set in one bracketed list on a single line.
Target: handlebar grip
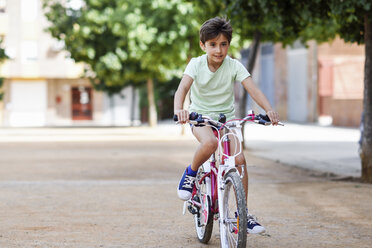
[(264, 117), (265, 120), (192, 116)]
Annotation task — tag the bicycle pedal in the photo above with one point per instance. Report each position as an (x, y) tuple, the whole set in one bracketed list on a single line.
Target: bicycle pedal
[(192, 209)]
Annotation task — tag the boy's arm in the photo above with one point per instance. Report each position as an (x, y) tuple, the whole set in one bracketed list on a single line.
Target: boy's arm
[(179, 98), (260, 99)]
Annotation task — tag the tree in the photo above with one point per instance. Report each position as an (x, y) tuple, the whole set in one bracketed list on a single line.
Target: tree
[(162, 34), (125, 41), (354, 19), (277, 21), (93, 34)]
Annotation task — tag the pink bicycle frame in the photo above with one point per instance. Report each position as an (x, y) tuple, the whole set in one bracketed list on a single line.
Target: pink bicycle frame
[(213, 175)]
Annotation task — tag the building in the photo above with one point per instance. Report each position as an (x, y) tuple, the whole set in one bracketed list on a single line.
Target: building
[(318, 83), (43, 87)]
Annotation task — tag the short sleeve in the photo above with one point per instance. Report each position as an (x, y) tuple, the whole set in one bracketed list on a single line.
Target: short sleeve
[(241, 71), (191, 68)]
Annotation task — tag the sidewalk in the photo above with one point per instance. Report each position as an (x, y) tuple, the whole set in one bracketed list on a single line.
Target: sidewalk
[(331, 150), (164, 131), (328, 150)]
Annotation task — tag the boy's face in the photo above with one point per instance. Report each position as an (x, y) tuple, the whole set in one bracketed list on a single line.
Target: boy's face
[(216, 48)]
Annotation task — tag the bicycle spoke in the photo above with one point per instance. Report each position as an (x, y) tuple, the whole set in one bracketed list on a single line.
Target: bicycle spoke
[(234, 206), (232, 239)]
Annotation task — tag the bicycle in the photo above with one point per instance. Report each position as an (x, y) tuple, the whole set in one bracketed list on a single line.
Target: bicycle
[(218, 193)]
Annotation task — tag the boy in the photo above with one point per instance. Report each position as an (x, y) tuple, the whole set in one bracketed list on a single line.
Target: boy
[(211, 78)]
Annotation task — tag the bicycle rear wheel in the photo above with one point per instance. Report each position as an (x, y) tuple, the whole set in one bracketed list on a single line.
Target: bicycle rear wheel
[(204, 216), (233, 226)]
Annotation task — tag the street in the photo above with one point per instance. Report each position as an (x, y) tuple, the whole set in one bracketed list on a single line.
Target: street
[(117, 188)]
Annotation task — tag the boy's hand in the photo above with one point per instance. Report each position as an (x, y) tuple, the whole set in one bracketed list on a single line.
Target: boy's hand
[(274, 117), (183, 115)]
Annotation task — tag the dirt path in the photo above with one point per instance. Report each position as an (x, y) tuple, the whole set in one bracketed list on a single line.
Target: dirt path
[(123, 194)]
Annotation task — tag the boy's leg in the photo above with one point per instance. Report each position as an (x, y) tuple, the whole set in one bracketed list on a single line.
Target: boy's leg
[(240, 162), (208, 145)]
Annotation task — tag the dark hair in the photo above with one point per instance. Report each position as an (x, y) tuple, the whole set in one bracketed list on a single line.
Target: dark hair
[(214, 27)]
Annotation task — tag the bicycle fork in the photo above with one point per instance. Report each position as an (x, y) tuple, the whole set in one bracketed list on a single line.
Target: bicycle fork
[(221, 189)]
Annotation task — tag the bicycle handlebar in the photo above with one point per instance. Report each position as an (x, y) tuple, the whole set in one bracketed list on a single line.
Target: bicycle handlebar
[(198, 119)]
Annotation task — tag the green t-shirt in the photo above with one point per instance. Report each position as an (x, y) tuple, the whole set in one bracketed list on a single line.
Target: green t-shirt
[(212, 93)]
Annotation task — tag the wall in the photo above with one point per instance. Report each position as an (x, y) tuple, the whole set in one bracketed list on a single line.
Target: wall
[(341, 82)]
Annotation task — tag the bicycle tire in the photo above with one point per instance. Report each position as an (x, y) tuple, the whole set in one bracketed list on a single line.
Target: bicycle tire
[(233, 228), (204, 231)]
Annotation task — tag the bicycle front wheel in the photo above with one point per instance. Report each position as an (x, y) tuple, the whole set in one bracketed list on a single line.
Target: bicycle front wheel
[(233, 226), (204, 216)]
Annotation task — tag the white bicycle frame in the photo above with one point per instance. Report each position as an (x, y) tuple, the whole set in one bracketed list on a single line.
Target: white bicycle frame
[(223, 169)]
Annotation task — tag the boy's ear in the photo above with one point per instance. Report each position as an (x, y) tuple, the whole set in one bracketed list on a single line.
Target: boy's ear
[(202, 46)]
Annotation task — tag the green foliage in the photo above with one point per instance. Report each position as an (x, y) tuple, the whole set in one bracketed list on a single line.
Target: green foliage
[(3, 56), (125, 41), (289, 20), (162, 33), (90, 35), (281, 21), (349, 16)]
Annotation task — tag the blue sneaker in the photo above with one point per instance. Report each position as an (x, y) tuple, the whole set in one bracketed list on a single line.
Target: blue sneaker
[(253, 226), (186, 184)]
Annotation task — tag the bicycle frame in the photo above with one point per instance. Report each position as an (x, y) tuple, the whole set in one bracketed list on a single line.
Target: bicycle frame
[(214, 175)]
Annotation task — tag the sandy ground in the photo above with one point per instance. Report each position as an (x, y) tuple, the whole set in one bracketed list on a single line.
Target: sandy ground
[(123, 194)]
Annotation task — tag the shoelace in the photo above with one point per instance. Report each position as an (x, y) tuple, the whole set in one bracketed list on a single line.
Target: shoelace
[(251, 219), (188, 183)]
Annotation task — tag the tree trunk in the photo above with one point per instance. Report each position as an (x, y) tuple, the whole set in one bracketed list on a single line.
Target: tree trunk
[(133, 107), (151, 99), (366, 155), (250, 66), (187, 102), (112, 110)]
